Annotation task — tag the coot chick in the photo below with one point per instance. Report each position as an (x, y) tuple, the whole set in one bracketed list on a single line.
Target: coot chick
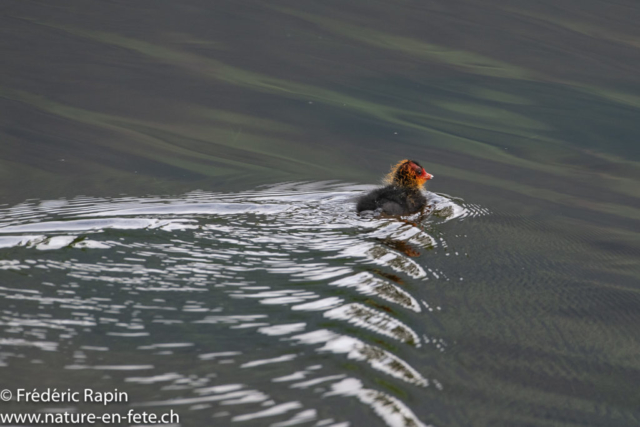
[(402, 196)]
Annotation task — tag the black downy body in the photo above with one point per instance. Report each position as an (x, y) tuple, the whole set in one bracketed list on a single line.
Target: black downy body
[(393, 200)]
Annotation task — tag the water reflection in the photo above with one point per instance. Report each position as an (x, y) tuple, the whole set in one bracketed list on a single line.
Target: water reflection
[(235, 300)]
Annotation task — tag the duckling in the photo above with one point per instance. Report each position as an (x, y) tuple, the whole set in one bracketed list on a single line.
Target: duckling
[(402, 195)]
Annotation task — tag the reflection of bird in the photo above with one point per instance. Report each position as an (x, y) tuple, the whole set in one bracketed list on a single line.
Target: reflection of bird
[(402, 196)]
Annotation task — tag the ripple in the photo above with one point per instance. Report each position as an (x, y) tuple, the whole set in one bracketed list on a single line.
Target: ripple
[(374, 320), (356, 349), (243, 285), (390, 409)]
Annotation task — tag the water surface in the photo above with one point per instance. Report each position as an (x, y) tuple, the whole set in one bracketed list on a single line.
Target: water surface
[(177, 209), (298, 297)]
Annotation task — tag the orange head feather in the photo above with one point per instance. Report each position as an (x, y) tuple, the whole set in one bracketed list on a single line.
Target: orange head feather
[(408, 173)]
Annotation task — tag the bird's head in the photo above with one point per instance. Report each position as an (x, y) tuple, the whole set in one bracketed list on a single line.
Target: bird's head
[(408, 173)]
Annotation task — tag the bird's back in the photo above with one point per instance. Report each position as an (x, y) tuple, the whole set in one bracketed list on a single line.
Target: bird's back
[(392, 200)]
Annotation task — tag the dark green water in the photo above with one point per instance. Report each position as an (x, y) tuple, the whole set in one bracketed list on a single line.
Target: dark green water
[(148, 243)]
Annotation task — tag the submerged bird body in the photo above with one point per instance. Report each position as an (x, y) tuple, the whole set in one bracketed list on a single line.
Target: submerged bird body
[(403, 195)]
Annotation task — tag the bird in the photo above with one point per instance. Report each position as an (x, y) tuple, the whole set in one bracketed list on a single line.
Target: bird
[(402, 195)]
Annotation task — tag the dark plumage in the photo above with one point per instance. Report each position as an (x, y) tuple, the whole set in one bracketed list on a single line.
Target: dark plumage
[(392, 200), (403, 196)]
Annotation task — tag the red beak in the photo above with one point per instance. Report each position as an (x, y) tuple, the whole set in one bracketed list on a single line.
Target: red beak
[(427, 176)]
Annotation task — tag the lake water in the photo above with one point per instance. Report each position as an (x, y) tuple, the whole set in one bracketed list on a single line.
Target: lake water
[(177, 211)]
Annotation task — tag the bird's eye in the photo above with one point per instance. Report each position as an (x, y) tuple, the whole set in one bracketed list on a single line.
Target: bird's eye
[(419, 171)]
